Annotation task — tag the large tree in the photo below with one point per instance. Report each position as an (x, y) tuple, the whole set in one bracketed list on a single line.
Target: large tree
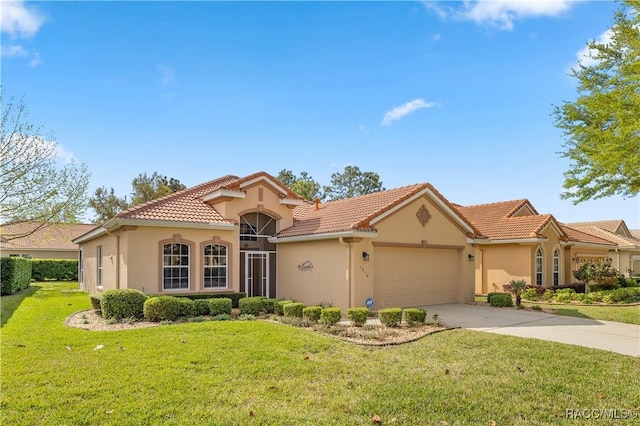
[(303, 185), (106, 204), (351, 183), (36, 185), (602, 126)]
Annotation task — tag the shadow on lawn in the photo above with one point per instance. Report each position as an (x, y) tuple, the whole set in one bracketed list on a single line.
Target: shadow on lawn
[(11, 303), (567, 312)]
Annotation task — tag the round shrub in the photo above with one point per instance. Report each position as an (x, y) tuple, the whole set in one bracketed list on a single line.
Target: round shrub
[(415, 316), (164, 308), (390, 317), (293, 309), (278, 306), (268, 305), (201, 307), (330, 316), (250, 306), (312, 313), (124, 303), (501, 300), (187, 307), (358, 316), (221, 306)]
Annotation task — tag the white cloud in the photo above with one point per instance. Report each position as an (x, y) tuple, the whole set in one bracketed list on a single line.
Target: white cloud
[(500, 14), (14, 50), (18, 20), (64, 155), (436, 37), (400, 111), (35, 60), (167, 74), (588, 57)]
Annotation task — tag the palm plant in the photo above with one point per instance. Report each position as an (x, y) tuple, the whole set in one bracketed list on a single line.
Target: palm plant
[(518, 286)]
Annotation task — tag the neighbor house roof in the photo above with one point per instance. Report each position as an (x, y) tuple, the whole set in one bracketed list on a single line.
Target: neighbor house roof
[(635, 233), (360, 213), (578, 235), (503, 220), (616, 226), (620, 240), (39, 236)]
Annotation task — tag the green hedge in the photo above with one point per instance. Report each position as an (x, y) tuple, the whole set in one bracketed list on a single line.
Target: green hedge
[(54, 269), (415, 316), (312, 313), (358, 316), (167, 308), (250, 305), (15, 274), (220, 306), (123, 303), (293, 309), (331, 316), (235, 296), (500, 300), (390, 317), (278, 306), (201, 307)]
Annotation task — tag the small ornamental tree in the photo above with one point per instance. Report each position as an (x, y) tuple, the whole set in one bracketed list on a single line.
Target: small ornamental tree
[(518, 286), (598, 272)]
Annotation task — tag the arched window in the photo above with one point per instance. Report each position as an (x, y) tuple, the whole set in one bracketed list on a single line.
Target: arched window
[(556, 268), (175, 266), (215, 266), (539, 266)]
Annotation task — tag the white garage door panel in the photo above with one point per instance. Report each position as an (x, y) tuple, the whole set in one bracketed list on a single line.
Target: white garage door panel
[(415, 277)]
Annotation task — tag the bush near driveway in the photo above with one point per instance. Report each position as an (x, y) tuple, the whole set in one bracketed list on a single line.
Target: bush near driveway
[(390, 317), (415, 316), (330, 316), (500, 300), (358, 316)]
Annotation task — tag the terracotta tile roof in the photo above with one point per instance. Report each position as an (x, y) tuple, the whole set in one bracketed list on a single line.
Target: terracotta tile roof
[(635, 233), (497, 220), (617, 239), (353, 214), (616, 226), (182, 206), (578, 235), (46, 237)]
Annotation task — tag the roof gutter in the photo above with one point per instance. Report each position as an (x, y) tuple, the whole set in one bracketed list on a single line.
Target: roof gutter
[(329, 236), (482, 241)]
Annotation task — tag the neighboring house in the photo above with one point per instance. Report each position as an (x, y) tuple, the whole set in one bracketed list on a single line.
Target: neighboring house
[(625, 255), (41, 241), (400, 247), (523, 244)]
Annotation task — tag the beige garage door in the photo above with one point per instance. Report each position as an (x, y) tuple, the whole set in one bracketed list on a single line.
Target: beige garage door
[(407, 277)]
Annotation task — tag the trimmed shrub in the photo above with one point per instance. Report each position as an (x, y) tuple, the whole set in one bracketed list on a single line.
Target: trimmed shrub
[(164, 308), (415, 316), (186, 307), (268, 305), (358, 316), (250, 305), (123, 303), (278, 306), (15, 274), (201, 307), (548, 295), (235, 296), (330, 316), (530, 294), (390, 317), (220, 306), (312, 313), (490, 295), (501, 300), (54, 269), (293, 309), (562, 297), (95, 302), (623, 295)]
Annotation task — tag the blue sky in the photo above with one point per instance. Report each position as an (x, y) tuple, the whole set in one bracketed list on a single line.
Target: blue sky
[(456, 94)]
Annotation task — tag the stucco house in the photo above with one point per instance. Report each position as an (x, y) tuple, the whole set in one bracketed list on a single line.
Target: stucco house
[(37, 240), (401, 247), (625, 255), (523, 244)]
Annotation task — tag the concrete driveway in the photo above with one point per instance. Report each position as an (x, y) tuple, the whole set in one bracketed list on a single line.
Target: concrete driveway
[(607, 335)]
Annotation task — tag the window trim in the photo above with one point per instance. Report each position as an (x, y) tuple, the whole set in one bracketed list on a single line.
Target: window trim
[(177, 239), (229, 247), (99, 267), (556, 267), (539, 255)]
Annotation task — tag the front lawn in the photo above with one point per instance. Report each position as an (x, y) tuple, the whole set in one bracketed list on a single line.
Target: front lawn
[(254, 372)]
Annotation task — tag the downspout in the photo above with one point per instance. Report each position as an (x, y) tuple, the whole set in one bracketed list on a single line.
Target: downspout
[(348, 245), (117, 258)]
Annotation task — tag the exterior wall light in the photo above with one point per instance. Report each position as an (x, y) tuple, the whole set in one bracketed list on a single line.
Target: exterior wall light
[(365, 256), (471, 257)]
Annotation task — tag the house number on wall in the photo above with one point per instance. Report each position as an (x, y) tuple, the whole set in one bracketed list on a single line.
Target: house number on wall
[(423, 215), (305, 266)]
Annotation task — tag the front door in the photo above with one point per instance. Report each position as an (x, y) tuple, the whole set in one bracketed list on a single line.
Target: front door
[(258, 273)]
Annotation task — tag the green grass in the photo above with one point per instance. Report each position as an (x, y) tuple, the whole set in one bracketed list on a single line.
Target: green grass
[(261, 373), (627, 314)]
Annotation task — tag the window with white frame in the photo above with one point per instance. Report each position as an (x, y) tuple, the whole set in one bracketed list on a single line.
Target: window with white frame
[(556, 268), (100, 270), (539, 266), (175, 266), (215, 266)]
